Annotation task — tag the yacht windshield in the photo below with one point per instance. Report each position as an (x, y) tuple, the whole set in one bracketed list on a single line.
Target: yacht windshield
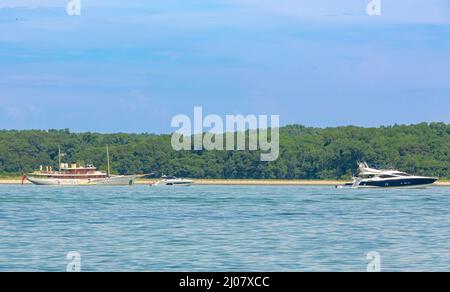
[(402, 174), (386, 176)]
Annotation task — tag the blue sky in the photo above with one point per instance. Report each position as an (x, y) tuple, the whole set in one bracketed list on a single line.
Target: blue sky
[(130, 66)]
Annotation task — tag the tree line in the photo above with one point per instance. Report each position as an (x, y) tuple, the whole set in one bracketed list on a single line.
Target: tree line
[(305, 153)]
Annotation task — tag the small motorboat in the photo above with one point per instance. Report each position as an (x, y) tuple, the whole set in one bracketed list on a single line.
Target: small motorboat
[(173, 181)]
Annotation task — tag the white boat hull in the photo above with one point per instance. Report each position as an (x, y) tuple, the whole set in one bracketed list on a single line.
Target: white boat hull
[(175, 183), (113, 180)]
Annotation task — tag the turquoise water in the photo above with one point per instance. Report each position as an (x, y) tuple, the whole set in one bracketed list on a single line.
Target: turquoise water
[(231, 228)]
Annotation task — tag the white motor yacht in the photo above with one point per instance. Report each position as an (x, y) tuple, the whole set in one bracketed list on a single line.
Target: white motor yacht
[(377, 178)]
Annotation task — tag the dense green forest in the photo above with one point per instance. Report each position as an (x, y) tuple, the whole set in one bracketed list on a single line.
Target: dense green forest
[(305, 153)]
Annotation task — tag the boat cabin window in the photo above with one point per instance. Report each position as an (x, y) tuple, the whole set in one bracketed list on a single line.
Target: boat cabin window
[(402, 174), (368, 176), (386, 176)]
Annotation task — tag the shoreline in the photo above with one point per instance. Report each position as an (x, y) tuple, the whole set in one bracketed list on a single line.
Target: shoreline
[(237, 182), (267, 182)]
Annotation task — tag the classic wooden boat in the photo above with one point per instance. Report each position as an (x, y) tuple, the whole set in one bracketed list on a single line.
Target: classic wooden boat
[(74, 175)]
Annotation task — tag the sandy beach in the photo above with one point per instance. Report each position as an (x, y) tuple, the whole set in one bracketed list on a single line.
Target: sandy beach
[(11, 181), (236, 182), (265, 182)]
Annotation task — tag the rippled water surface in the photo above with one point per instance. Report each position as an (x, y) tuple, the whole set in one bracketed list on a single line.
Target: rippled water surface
[(226, 228)]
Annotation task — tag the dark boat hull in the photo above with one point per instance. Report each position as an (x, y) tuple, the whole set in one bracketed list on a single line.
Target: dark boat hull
[(399, 183)]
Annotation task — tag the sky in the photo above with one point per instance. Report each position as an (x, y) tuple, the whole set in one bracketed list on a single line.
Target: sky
[(130, 66)]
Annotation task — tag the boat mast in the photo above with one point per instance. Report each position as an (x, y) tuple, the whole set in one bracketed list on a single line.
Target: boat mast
[(109, 164)]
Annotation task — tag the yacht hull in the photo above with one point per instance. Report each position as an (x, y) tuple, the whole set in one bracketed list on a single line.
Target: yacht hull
[(398, 183), (113, 180), (175, 183)]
